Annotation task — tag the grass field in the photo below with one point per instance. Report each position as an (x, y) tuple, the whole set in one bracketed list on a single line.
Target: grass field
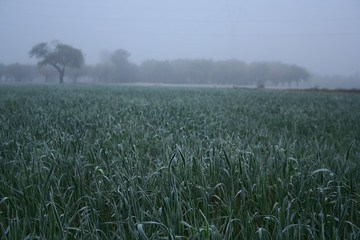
[(117, 162)]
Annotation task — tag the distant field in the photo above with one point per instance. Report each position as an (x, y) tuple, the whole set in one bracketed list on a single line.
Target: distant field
[(132, 162)]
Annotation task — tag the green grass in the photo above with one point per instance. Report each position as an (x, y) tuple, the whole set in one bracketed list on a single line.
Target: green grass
[(115, 162)]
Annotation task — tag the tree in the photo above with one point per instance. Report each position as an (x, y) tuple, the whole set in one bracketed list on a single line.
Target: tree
[(121, 70), (19, 73), (101, 72), (49, 73), (58, 56), (156, 71), (230, 72), (299, 73), (75, 73), (2, 70), (120, 57), (258, 71)]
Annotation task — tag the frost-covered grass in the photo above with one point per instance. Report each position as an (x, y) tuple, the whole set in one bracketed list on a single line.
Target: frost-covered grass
[(115, 162)]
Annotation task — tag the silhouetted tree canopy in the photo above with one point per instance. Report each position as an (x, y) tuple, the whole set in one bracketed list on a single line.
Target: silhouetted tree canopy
[(59, 56)]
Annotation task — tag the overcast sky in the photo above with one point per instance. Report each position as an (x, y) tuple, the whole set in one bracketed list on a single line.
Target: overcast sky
[(321, 35)]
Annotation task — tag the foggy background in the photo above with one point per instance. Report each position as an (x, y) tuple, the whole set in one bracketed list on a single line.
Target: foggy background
[(322, 36)]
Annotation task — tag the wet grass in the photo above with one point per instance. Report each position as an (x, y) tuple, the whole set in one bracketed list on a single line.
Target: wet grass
[(110, 162)]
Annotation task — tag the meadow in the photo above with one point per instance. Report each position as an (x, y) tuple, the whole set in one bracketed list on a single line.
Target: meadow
[(126, 162)]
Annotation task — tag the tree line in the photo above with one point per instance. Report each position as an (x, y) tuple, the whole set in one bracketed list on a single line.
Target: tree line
[(59, 61)]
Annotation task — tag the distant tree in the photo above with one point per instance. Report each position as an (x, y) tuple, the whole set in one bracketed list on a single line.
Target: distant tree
[(120, 57), (156, 71), (299, 73), (258, 72), (49, 73), (121, 70), (285, 73), (75, 73), (182, 71), (230, 72), (192, 71), (203, 71), (58, 56), (294, 73), (19, 73), (200, 71), (275, 73), (114, 67), (101, 72), (2, 71)]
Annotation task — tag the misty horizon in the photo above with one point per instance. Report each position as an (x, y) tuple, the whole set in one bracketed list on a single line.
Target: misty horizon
[(322, 37)]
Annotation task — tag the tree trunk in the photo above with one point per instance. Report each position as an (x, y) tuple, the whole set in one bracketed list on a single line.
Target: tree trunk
[(61, 75)]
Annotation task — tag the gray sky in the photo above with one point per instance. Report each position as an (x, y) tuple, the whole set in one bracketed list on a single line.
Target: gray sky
[(321, 35)]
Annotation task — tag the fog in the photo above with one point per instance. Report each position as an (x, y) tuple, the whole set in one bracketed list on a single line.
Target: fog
[(322, 36)]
